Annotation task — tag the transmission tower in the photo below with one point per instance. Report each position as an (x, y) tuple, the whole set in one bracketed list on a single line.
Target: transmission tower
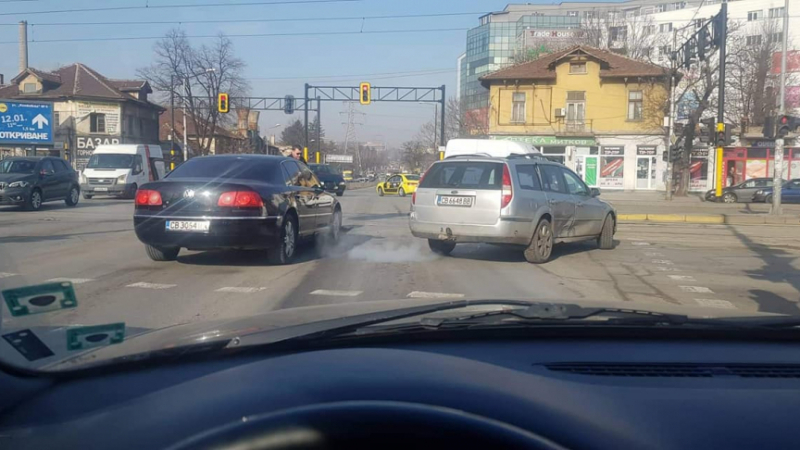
[(350, 130)]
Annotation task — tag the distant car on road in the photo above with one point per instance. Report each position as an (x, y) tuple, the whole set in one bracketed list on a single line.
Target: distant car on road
[(790, 193), (524, 200), (400, 184), (235, 202), (330, 177), (29, 182), (742, 192)]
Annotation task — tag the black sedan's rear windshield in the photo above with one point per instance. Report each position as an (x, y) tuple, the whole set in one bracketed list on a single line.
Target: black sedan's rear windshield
[(464, 175), (230, 168)]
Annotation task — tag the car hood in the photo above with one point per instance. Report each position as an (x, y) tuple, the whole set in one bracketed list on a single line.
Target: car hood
[(272, 327), (12, 177), (104, 173)]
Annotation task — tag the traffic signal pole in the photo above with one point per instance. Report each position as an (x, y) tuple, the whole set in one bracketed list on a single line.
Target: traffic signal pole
[(777, 176), (723, 38)]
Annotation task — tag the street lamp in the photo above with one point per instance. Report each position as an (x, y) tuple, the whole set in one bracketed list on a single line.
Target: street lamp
[(272, 137), (185, 81)]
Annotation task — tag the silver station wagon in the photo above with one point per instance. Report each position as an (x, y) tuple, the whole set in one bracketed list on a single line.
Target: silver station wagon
[(523, 200)]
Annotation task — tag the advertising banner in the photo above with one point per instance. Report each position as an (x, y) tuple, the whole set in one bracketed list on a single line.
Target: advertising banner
[(612, 167), (26, 122)]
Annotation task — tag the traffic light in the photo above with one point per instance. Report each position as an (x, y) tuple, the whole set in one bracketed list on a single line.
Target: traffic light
[(786, 125), (222, 103), (288, 104), (769, 128), (365, 96), (723, 136)]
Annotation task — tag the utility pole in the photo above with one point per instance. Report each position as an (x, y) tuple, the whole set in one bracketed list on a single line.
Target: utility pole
[(350, 132), (435, 117), (723, 38), (172, 122), (671, 129), (777, 177)]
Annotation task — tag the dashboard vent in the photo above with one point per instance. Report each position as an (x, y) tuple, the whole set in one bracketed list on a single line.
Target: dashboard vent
[(679, 370)]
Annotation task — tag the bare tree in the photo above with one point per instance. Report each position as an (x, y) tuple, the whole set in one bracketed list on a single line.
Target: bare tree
[(186, 72), (750, 78), (632, 35)]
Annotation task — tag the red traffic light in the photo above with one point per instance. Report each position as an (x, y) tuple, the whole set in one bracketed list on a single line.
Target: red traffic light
[(784, 120)]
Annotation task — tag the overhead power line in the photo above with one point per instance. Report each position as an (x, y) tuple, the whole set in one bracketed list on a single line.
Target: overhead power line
[(396, 75), (309, 33), (176, 6), (279, 19)]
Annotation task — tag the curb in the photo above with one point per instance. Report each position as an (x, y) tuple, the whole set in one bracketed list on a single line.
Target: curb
[(719, 219)]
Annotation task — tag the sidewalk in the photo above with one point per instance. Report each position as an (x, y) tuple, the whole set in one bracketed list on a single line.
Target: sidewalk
[(651, 206)]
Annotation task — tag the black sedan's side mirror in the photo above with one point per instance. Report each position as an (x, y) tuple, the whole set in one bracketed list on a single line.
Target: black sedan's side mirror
[(594, 192)]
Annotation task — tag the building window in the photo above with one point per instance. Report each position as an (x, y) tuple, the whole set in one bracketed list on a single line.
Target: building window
[(776, 37), (649, 29), (97, 123), (665, 50), (29, 88), (774, 13), (572, 13), (590, 14), (753, 15), (579, 67), (518, 107), (661, 7), (618, 33), (698, 23), (635, 105), (56, 118), (665, 27), (647, 52), (754, 40), (576, 110)]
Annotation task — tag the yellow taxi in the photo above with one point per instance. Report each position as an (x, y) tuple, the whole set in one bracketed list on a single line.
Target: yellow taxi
[(400, 184)]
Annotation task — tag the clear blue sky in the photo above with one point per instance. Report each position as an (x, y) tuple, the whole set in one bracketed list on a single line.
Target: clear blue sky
[(301, 59)]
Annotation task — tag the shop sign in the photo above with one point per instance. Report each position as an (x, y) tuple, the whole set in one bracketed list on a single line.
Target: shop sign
[(646, 150), (612, 151), (699, 153), (764, 143), (547, 140), (85, 145)]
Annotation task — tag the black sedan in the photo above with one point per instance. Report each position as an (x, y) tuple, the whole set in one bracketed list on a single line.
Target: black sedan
[(330, 177), (29, 182), (235, 202)]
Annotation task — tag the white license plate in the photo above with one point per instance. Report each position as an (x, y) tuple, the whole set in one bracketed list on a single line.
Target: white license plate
[(101, 189), (449, 200), (183, 225)]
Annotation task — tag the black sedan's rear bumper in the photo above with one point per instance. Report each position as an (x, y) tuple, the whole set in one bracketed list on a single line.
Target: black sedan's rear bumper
[(223, 233)]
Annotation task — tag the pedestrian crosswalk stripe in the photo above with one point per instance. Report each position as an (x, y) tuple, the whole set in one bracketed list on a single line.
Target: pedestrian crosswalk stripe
[(337, 293), (714, 303), (418, 294), (699, 289), (682, 277), (151, 285), (71, 280), (241, 290), (7, 274)]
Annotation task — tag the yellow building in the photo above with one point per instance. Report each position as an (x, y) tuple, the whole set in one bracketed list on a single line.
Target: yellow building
[(598, 112)]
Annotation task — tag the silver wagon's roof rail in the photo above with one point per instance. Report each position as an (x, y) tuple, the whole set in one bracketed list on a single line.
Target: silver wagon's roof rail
[(482, 155)]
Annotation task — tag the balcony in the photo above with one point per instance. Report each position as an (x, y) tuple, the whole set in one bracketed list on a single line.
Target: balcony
[(573, 127)]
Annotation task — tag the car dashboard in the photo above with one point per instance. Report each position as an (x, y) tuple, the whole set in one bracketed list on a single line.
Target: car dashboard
[(495, 393)]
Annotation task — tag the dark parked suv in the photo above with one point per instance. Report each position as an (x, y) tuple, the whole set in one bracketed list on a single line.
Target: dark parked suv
[(29, 182)]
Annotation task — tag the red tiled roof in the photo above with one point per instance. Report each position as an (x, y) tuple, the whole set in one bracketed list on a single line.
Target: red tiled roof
[(612, 65), (42, 75), (130, 85), (77, 80)]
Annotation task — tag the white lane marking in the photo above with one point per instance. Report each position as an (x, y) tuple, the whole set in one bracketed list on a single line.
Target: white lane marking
[(241, 290), (151, 285), (652, 254), (419, 294), (697, 289), (71, 280), (662, 261), (714, 303), (640, 243), (7, 274), (336, 293), (682, 277), (667, 269)]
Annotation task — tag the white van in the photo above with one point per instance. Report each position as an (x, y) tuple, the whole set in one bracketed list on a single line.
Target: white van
[(487, 147), (121, 168)]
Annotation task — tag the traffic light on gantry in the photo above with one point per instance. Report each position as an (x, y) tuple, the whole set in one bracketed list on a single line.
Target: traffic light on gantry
[(365, 94), (223, 104)]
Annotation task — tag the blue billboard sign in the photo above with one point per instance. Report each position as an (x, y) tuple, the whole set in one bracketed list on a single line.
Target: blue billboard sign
[(23, 122)]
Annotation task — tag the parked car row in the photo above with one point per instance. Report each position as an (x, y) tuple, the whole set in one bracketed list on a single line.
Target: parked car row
[(757, 190)]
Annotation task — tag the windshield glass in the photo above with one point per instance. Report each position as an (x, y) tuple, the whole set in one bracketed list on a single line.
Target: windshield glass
[(110, 161), (17, 166), (288, 173), (324, 169)]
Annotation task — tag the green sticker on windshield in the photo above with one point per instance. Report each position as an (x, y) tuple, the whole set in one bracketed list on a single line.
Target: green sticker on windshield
[(40, 298), (81, 338)]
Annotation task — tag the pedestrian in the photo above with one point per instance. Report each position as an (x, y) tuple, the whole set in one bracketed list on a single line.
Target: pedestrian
[(297, 153)]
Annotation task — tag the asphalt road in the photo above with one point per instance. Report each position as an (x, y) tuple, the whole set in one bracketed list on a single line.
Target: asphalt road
[(750, 268)]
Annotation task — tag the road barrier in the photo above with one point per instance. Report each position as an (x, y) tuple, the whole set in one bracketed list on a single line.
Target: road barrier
[(728, 219)]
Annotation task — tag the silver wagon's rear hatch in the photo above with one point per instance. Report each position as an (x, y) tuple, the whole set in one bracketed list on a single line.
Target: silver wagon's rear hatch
[(460, 192)]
